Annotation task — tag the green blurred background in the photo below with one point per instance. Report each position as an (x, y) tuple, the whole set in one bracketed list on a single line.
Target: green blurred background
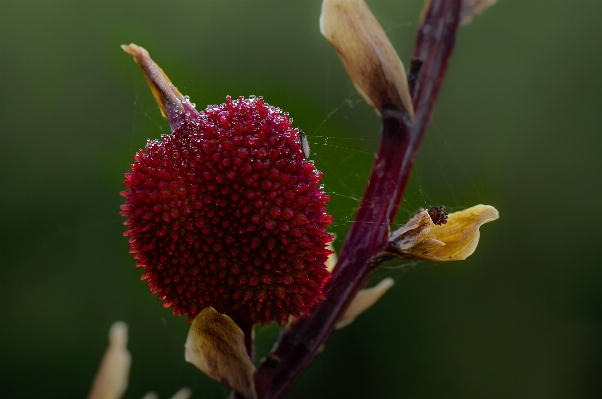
[(518, 126)]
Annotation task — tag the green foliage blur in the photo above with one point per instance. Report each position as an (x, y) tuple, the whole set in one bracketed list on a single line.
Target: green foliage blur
[(517, 126)]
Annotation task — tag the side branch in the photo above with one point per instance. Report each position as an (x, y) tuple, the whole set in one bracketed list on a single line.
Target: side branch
[(369, 232)]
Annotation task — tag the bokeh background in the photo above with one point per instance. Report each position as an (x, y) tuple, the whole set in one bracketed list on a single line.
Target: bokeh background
[(518, 126)]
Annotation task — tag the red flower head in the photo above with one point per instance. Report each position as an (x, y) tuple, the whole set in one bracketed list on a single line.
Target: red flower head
[(226, 212)]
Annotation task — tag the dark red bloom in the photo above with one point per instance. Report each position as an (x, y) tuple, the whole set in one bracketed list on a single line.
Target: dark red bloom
[(226, 212)]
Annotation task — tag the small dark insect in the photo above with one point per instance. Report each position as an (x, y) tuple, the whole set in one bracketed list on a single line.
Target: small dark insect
[(438, 214), (304, 144)]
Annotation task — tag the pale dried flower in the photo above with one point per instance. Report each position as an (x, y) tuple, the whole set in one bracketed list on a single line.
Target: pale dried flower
[(215, 345), (363, 300), (112, 378), (111, 381), (369, 57), (331, 262), (420, 238)]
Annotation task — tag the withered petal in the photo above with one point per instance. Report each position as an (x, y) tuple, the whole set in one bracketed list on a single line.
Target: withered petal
[(404, 239), (111, 380), (367, 54), (164, 91), (215, 345), (331, 262), (420, 238), (364, 299), (174, 106), (460, 235)]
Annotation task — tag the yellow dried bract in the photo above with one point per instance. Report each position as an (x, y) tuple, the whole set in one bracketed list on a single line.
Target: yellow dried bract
[(369, 57), (215, 345), (420, 238)]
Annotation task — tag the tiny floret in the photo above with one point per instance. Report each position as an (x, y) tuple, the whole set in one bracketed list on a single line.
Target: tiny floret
[(226, 212)]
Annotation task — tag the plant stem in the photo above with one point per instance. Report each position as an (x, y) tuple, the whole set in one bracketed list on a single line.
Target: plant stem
[(369, 232)]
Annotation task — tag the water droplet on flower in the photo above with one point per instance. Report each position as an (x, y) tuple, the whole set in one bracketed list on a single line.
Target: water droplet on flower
[(211, 206)]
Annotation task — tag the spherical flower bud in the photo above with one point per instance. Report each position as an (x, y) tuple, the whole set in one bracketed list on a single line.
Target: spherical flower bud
[(226, 212)]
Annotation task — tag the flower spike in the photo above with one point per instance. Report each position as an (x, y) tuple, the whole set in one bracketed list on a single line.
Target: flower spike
[(226, 211)]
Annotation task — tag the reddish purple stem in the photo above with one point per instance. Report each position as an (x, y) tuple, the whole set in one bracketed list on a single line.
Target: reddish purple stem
[(369, 232)]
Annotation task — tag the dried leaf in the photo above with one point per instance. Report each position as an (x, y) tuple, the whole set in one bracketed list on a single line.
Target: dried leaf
[(111, 380), (369, 57), (420, 238), (363, 300), (215, 345), (471, 8)]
